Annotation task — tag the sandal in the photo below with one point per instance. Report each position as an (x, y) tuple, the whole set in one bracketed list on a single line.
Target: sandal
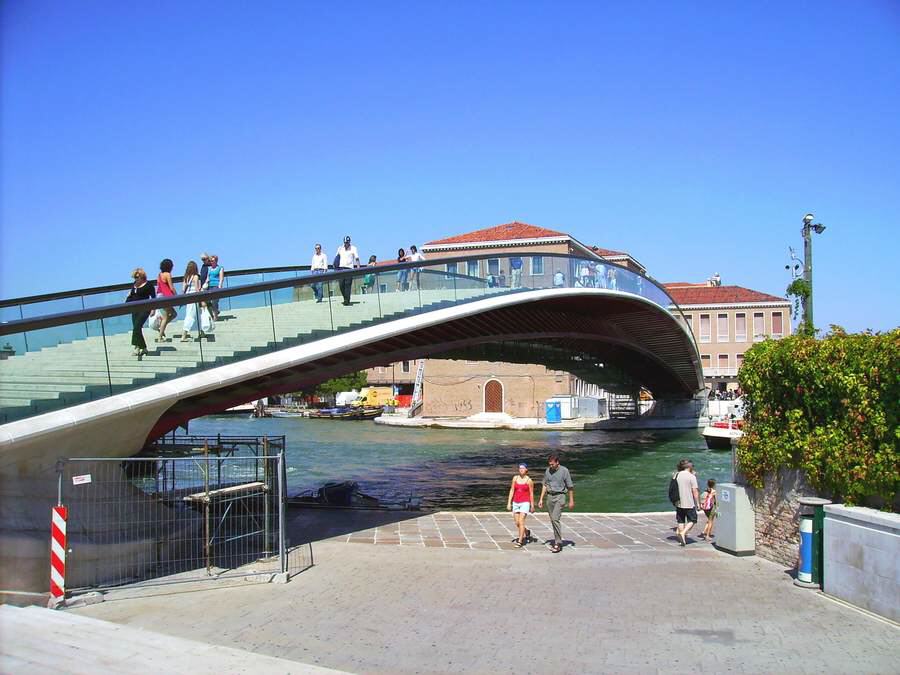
[(518, 543), (555, 549)]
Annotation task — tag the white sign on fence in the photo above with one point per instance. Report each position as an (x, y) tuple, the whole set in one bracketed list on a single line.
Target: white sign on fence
[(81, 480)]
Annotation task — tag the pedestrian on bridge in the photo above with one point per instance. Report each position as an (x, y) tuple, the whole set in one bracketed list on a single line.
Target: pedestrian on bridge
[(347, 258), (557, 483), (515, 272), (318, 265), (140, 291), (415, 256), (190, 284), (165, 288), (214, 279), (370, 278), (402, 275)]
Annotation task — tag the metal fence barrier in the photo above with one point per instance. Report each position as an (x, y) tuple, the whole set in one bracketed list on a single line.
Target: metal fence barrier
[(164, 520)]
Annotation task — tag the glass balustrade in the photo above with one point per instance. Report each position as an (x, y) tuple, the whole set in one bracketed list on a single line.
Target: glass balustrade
[(50, 362)]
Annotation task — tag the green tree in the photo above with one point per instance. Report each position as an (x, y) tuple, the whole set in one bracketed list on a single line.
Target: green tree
[(338, 384), (829, 407)]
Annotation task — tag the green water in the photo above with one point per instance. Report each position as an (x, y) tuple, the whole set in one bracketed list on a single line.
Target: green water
[(470, 469)]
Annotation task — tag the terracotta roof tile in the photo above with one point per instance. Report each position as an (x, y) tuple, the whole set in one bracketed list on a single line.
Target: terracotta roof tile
[(507, 231), (606, 252), (701, 294)]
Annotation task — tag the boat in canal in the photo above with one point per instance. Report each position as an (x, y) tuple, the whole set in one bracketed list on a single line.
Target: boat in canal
[(719, 434), (347, 413)]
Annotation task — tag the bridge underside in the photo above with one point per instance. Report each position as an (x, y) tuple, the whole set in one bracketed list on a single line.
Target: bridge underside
[(616, 342)]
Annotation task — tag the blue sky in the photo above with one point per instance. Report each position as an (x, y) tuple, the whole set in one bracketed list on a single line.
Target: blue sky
[(694, 137)]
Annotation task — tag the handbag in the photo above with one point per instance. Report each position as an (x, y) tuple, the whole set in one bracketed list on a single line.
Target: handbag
[(156, 319), (207, 325)]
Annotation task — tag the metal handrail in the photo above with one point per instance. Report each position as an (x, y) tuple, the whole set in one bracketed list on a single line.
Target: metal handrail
[(93, 314), (96, 290)]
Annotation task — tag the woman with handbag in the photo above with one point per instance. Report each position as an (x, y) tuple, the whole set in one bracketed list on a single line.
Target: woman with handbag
[(140, 291), (190, 284)]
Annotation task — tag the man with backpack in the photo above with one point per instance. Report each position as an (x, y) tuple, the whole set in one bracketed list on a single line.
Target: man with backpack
[(684, 495)]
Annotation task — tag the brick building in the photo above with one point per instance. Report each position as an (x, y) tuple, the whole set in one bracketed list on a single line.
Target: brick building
[(726, 321)]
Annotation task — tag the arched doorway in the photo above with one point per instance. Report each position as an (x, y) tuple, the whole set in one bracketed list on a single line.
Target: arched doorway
[(493, 397)]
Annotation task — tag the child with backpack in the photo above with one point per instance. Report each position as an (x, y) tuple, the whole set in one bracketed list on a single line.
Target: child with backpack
[(709, 506)]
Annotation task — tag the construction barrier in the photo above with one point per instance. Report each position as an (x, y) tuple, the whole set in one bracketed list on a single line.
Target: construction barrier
[(59, 515)]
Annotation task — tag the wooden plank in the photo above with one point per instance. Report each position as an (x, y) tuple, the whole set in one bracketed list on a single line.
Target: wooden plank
[(212, 495)]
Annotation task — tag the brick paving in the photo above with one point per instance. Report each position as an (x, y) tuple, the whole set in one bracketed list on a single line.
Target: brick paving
[(496, 531)]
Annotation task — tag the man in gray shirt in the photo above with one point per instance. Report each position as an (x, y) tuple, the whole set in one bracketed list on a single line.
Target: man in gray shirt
[(557, 482)]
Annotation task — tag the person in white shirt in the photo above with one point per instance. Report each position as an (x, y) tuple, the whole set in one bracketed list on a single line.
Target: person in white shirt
[(415, 256), (347, 258), (688, 499), (318, 265)]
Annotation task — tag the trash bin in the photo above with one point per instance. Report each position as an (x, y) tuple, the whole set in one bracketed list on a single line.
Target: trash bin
[(812, 523), (554, 412)]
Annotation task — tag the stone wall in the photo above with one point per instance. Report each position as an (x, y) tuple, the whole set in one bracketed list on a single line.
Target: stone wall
[(777, 509), (862, 565)]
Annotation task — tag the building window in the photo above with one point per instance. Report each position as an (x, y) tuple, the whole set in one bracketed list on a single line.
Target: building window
[(759, 326), (537, 265), (404, 366), (494, 266), (472, 268), (777, 325), (705, 328), (705, 362), (740, 360), (723, 364), (452, 268), (740, 327), (722, 328), (689, 322)]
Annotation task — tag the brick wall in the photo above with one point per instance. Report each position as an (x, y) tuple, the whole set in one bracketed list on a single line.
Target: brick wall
[(777, 510)]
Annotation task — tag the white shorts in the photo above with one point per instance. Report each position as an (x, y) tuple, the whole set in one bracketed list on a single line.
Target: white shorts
[(521, 507)]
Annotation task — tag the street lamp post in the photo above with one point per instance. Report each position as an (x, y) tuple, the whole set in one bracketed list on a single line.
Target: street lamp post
[(808, 228)]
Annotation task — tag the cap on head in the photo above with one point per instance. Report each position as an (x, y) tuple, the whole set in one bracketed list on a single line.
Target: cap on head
[(523, 465), (347, 239)]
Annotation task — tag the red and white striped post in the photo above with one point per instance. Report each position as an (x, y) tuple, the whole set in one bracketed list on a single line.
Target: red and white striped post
[(58, 555)]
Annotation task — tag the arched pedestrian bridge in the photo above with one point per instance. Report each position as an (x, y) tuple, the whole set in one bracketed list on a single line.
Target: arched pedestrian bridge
[(69, 384)]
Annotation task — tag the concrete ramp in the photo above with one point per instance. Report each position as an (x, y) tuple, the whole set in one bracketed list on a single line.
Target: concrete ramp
[(36, 640)]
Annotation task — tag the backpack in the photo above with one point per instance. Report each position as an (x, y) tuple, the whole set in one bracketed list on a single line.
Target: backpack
[(674, 495)]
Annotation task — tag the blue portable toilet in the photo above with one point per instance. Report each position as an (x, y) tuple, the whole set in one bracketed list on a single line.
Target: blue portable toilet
[(554, 412)]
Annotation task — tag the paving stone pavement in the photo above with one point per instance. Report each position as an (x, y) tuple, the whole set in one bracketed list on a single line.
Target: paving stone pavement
[(408, 607), (497, 531)]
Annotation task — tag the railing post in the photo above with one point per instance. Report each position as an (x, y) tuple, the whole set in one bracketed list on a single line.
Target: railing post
[(106, 356), (282, 487), (268, 496), (206, 541), (272, 314), (378, 294)]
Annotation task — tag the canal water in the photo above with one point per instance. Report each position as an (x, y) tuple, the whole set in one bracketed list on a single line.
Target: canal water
[(467, 469)]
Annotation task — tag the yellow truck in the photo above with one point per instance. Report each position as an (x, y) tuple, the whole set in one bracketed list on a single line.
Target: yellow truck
[(372, 397)]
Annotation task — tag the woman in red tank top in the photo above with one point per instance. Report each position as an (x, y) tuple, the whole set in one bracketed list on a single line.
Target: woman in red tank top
[(521, 502), (166, 289)]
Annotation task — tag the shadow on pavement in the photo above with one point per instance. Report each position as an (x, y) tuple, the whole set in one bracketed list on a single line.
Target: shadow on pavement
[(306, 525)]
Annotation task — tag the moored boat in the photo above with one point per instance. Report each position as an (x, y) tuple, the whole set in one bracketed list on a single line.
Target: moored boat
[(347, 413)]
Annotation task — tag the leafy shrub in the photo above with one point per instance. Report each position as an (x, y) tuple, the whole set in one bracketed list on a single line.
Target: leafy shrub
[(828, 407)]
